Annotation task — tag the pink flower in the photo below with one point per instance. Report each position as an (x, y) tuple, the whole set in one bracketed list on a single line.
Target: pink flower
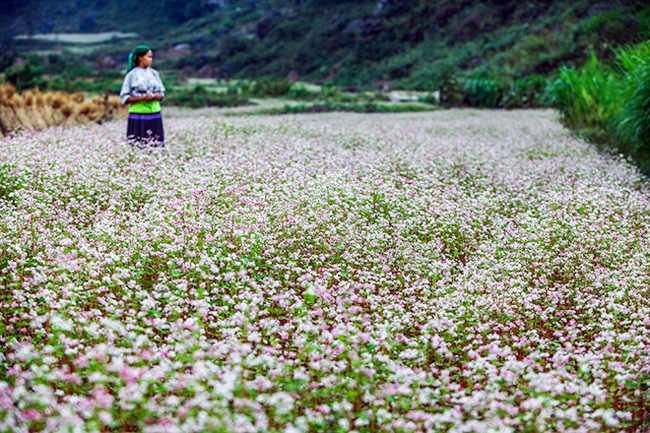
[(103, 399), (31, 414)]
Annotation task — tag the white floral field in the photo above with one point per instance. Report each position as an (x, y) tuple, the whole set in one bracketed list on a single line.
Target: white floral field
[(457, 271)]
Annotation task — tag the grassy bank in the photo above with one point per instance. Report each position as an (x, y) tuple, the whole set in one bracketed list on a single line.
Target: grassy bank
[(609, 103)]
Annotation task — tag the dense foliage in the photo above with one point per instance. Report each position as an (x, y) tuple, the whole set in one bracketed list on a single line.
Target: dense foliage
[(198, 96), (410, 44), (610, 103)]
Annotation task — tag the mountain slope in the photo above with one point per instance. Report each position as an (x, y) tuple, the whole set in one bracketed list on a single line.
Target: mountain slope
[(410, 42)]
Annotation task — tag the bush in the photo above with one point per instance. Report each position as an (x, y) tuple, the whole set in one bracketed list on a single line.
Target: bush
[(302, 92), (525, 93), (633, 121), (356, 107), (92, 85), (451, 90), (586, 97), (482, 93), (614, 26), (610, 105), (27, 76), (6, 60), (449, 85), (199, 97), (271, 87)]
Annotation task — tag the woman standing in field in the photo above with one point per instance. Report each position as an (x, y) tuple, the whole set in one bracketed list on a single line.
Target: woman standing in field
[(143, 90)]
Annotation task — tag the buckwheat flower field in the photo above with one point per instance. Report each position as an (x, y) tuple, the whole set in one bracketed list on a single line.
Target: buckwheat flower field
[(457, 271)]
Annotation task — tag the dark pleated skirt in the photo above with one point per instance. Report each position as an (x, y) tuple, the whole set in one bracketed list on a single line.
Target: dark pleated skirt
[(145, 130)]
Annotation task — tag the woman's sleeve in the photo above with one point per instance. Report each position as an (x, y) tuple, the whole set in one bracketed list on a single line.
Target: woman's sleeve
[(160, 83), (125, 93)]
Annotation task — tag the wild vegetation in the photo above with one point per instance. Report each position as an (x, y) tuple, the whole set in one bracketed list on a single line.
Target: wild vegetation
[(408, 44), (367, 106), (199, 96), (609, 103)]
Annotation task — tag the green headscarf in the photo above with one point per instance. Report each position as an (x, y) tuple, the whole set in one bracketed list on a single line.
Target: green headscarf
[(133, 56)]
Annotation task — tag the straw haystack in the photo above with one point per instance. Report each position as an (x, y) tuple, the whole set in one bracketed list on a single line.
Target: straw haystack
[(33, 110)]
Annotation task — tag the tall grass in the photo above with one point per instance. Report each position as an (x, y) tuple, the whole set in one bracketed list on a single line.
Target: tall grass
[(633, 121), (609, 104), (587, 97)]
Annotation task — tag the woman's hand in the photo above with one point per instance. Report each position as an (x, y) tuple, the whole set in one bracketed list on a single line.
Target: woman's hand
[(153, 97), (145, 98)]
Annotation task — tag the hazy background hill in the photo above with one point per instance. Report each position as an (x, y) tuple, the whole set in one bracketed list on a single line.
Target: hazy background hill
[(407, 43)]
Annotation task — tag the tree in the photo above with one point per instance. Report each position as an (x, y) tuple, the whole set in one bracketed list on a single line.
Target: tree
[(26, 76)]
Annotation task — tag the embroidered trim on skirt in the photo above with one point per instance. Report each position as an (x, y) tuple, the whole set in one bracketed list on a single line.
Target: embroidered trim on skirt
[(145, 130)]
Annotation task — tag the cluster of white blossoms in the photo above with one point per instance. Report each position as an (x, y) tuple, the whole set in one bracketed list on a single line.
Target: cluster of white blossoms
[(457, 271)]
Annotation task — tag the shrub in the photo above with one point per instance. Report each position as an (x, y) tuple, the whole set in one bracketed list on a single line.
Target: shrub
[(610, 105), (525, 93), (199, 96), (329, 91), (6, 60), (614, 26), (633, 121), (271, 87), (245, 87), (356, 107), (481, 92), (89, 85), (586, 97), (449, 86), (27, 76), (302, 92)]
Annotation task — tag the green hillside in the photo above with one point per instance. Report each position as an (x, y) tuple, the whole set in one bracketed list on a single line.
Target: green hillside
[(408, 43)]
